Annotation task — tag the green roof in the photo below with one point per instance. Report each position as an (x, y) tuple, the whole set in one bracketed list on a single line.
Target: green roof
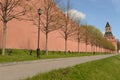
[(107, 25), (108, 33)]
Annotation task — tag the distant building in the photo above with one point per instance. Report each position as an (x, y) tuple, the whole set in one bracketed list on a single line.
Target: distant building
[(109, 36)]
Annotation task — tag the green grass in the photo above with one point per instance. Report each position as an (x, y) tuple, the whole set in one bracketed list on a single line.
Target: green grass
[(23, 55), (105, 69), (17, 55)]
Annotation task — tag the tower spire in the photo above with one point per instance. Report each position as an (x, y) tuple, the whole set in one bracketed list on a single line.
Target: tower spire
[(107, 25), (108, 31)]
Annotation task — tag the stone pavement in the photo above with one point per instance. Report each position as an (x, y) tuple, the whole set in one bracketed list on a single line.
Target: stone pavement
[(21, 70)]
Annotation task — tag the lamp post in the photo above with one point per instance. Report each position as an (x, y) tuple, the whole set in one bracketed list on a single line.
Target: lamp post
[(38, 47)]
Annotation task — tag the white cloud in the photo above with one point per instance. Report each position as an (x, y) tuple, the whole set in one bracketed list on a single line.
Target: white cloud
[(74, 14)]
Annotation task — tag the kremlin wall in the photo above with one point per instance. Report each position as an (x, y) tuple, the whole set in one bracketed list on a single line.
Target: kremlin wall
[(24, 35)]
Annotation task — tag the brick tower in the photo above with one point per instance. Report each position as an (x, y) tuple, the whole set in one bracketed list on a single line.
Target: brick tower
[(109, 36)]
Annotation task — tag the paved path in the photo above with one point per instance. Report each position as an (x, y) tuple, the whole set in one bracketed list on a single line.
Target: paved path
[(17, 71)]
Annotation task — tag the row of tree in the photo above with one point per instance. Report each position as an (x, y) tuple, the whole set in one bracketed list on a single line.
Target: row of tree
[(94, 37), (53, 18)]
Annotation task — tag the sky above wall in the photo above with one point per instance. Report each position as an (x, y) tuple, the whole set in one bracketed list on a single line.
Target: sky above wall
[(98, 12)]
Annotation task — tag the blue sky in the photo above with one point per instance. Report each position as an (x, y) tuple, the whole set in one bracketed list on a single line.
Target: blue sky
[(98, 12)]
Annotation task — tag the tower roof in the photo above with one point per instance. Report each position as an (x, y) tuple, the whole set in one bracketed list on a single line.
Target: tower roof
[(107, 25)]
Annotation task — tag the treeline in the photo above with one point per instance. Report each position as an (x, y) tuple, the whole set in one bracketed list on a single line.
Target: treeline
[(94, 37)]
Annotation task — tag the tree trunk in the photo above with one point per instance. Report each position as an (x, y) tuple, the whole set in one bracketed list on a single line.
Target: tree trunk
[(99, 49), (4, 38), (78, 46), (86, 47), (66, 46), (96, 48), (92, 48), (46, 43)]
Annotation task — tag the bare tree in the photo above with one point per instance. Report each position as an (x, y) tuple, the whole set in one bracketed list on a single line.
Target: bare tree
[(50, 17), (79, 36), (86, 36), (68, 31), (68, 26), (79, 32), (10, 9), (92, 42)]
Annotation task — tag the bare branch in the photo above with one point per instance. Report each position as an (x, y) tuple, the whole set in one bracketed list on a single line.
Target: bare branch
[(10, 9)]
